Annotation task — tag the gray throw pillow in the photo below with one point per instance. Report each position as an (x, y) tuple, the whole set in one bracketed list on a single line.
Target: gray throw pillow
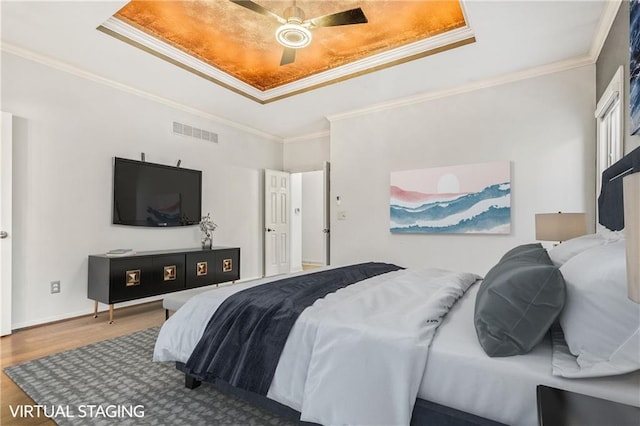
[(517, 302), (522, 250)]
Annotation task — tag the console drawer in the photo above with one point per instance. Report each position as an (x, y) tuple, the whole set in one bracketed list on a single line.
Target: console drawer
[(130, 278), (227, 264), (201, 269)]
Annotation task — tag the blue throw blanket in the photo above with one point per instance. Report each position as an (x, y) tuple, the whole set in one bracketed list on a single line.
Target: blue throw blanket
[(245, 336)]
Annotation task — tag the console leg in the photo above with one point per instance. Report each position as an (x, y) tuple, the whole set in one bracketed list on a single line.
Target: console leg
[(191, 382), (166, 314), (111, 313), (95, 309)]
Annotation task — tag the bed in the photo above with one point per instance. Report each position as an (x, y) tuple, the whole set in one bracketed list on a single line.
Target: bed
[(430, 362)]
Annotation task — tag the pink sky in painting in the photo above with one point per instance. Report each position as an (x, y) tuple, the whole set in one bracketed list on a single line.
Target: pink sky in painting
[(419, 197), (471, 177)]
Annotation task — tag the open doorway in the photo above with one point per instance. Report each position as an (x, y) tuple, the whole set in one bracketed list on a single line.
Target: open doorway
[(309, 232)]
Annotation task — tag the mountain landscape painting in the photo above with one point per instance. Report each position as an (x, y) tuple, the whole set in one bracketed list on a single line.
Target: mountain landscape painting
[(464, 199)]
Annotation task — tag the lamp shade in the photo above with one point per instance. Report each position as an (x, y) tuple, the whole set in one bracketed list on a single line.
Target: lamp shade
[(560, 226), (631, 194)]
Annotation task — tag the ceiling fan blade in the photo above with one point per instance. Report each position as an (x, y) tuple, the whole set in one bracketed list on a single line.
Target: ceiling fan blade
[(288, 56), (259, 9), (348, 17)]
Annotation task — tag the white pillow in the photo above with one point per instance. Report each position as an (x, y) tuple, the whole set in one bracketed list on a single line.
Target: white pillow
[(561, 253), (601, 324), (610, 235)]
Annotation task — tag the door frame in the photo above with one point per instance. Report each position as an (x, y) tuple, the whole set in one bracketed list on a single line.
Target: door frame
[(6, 160), (326, 200), (298, 213)]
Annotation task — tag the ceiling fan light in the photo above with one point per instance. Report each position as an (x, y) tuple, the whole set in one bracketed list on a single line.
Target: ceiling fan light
[(293, 36)]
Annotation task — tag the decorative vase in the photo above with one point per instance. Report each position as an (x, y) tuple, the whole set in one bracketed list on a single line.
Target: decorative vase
[(207, 227)]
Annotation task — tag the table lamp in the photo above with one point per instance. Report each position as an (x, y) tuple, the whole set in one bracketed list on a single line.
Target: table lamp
[(560, 226)]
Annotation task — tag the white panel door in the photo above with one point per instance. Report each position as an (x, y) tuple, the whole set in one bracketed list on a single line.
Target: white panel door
[(276, 222), (6, 144)]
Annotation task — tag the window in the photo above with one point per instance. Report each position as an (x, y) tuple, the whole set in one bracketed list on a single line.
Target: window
[(609, 118)]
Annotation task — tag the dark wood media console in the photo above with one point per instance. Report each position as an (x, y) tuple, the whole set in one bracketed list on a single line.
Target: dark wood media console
[(120, 279)]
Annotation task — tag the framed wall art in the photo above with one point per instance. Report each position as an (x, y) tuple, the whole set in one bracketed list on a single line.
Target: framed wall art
[(464, 199)]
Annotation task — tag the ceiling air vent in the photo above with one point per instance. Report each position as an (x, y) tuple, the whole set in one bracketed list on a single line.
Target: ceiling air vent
[(194, 132)]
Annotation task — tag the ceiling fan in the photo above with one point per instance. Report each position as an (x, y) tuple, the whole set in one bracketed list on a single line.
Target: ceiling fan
[(294, 33)]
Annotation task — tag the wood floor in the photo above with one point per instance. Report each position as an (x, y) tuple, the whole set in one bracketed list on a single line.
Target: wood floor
[(37, 342), (307, 266)]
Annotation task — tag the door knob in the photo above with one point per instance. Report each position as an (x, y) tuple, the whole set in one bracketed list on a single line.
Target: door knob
[(270, 230), (3, 234)]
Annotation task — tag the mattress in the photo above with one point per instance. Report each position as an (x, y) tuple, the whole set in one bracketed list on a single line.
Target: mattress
[(460, 375)]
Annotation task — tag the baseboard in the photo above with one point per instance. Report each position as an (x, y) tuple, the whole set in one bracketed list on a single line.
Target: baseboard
[(101, 308)]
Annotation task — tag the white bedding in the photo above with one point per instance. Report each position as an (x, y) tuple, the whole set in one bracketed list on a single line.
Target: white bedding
[(458, 373), (356, 356)]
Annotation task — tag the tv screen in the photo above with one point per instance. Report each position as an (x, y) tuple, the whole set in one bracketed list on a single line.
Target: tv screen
[(148, 194)]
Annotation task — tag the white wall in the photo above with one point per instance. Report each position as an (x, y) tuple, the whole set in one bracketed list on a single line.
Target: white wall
[(306, 155), (312, 217), (544, 126), (68, 130)]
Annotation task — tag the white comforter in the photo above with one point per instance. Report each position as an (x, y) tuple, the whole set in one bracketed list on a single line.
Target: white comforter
[(356, 356)]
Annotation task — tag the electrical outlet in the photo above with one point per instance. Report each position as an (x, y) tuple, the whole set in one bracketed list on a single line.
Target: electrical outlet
[(55, 287)]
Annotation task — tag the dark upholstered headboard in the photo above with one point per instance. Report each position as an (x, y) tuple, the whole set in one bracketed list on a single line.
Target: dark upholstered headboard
[(610, 203)]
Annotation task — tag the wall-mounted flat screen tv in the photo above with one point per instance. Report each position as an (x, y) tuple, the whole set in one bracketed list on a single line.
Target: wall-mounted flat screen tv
[(148, 194)]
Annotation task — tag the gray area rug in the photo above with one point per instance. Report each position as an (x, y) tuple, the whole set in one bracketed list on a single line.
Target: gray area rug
[(106, 383)]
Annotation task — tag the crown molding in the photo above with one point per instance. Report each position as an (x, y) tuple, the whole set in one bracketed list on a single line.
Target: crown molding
[(71, 69), (476, 85), (308, 136), (138, 38), (604, 26), (408, 52)]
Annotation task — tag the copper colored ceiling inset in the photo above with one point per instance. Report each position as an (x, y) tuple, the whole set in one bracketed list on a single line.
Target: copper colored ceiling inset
[(241, 43)]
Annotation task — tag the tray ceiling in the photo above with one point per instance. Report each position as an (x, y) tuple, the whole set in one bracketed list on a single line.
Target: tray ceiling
[(236, 47)]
